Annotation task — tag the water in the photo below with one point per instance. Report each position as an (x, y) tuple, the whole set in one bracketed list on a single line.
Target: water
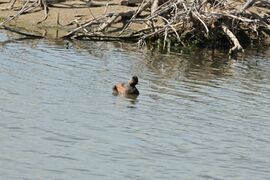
[(197, 116)]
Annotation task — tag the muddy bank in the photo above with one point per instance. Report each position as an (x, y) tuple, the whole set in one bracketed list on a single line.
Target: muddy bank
[(60, 17), (229, 24)]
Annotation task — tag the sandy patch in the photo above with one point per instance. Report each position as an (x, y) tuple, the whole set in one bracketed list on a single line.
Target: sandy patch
[(29, 21)]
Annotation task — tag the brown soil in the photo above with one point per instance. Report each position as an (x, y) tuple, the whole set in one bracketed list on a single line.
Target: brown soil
[(49, 27)]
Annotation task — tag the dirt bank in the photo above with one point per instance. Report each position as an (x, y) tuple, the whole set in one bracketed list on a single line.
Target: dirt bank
[(62, 11), (228, 24)]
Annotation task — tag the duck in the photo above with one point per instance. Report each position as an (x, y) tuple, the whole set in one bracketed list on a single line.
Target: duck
[(127, 89)]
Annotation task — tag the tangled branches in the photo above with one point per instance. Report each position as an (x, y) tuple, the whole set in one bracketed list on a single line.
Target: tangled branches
[(185, 22)]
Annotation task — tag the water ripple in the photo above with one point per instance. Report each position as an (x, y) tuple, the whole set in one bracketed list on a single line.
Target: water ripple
[(194, 119)]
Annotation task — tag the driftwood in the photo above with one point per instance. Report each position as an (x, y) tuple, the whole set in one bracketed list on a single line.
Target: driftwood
[(188, 21), (237, 46), (193, 20)]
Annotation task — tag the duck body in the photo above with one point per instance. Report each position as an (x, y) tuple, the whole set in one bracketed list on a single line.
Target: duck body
[(127, 89)]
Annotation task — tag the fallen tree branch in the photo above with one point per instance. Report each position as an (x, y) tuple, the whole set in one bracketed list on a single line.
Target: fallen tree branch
[(237, 46), (95, 37), (203, 23), (71, 33), (141, 8), (106, 24), (44, 4)]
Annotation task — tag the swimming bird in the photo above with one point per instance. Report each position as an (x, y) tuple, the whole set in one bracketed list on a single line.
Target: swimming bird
[(127, 89)]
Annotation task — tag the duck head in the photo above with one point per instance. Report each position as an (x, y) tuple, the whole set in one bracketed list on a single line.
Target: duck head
[(133, 81)]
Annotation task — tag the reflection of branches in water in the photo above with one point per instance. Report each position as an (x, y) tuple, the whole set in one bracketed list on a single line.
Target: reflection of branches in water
[(29, 35), (201, 65), (196, 66), (4, 43), (93, 48), (15, 38), (254, 68), (169, 72), (98, 48)]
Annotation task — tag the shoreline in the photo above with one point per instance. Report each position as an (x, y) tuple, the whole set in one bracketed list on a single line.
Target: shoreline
[(53, 27), (234, 26)]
